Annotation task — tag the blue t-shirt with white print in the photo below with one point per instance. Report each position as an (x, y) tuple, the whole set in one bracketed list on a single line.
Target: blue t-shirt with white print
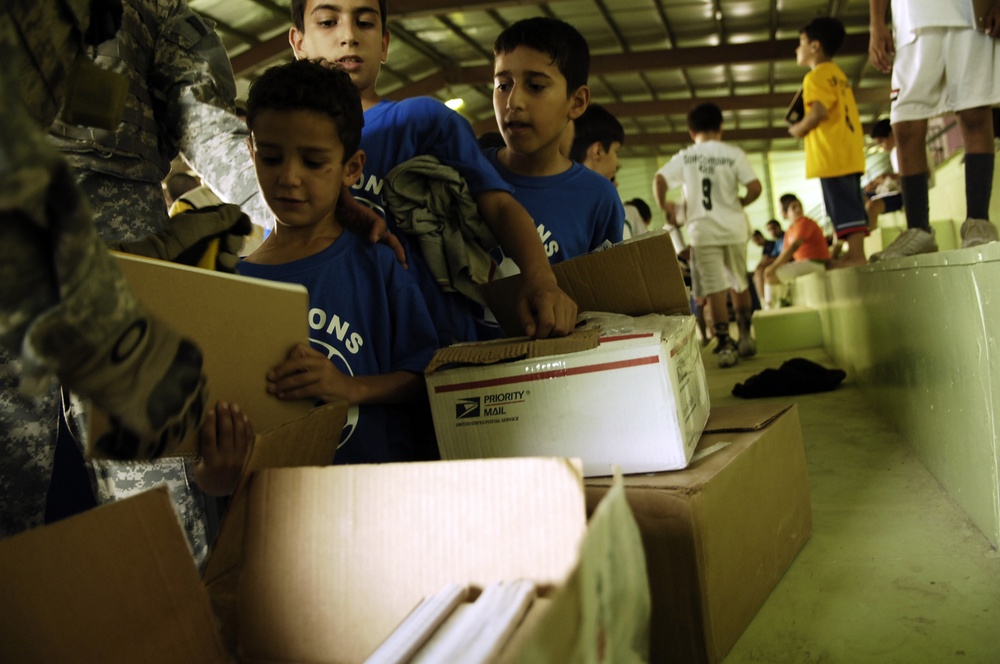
[(396, 132), (367, 315), (575, 211)]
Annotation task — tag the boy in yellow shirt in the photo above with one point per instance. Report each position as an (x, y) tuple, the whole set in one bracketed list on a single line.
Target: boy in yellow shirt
[(834, 138)]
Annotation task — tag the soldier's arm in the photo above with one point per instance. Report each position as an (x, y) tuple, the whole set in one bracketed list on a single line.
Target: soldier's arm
[(193, 78)]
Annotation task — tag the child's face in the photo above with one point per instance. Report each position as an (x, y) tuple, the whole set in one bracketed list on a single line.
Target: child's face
[(298, 157), (530, 100), (349, 33), (794, 211), (805, 52), (606, 162)]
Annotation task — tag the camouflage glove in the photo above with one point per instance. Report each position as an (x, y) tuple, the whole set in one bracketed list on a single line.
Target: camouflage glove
[(149, 380), (191, 234)]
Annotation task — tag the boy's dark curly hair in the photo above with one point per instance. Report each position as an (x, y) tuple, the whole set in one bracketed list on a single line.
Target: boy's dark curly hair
[(310, 86)]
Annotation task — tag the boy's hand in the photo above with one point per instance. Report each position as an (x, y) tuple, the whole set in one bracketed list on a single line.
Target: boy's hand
[(798, 130), (881, 49), (186, 237), (670, 210), (544, 310), (991, 23), (226, 438), (308, 374), (362, 220)]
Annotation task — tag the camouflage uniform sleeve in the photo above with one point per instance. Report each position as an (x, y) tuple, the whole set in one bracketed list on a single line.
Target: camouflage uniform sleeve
[(194, 80)]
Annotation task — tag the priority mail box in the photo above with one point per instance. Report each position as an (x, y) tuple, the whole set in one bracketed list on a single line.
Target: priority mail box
[(333, 559), (720, 534), (626, 392)]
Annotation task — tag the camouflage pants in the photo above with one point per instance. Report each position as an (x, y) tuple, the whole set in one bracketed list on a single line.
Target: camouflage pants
[(27, 450), (61, 296), (128, 210)]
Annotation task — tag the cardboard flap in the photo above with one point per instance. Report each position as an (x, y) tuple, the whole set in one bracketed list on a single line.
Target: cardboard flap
[(336, 557), (604, 607), (521, 348), (243, 326), (115, 584), (744, 417), (308, 441), (636, 277)]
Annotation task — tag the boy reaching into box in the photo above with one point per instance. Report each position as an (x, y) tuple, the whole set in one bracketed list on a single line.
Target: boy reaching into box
[(371, 334), (712, 172), (540, 87)]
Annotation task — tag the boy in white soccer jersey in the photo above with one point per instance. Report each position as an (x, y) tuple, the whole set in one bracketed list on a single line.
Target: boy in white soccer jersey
[(711, 172)]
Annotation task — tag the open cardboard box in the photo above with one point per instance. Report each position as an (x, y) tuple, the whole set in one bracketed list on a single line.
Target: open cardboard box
[(211, 307), (720, 534), (636, 277), (333, 559), (633, 394), (626, 392)]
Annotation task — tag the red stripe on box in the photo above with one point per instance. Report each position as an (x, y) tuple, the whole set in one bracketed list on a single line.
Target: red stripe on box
[(624, 337), (593, 368)]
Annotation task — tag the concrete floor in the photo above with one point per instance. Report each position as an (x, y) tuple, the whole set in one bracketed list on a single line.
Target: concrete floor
[(894, 571)]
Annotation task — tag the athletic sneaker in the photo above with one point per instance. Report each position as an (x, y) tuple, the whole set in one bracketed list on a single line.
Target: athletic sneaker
[(910, 242), (976, 232), (747, 346), (728, 353)]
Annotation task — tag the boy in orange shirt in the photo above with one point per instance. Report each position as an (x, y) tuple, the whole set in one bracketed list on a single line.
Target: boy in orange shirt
[(834, 138), (804, 242)]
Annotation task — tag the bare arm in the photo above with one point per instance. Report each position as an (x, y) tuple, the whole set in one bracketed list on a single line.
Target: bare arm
[(991, 23), (660, 188), (309, 374), (786, 255), (880, 45), (543, 308), (753, 193), (816, 114), (224, 442)]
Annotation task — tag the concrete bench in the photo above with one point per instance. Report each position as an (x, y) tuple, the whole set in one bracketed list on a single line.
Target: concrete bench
[(787, 328)]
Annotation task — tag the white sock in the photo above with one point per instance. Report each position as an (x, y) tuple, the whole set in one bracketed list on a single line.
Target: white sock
[(773, 293)]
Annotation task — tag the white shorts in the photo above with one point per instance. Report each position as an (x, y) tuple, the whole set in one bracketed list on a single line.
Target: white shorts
[(944, 70), (718, 269), (792, 271)]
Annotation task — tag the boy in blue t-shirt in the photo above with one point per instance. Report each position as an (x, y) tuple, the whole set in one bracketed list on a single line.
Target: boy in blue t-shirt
[(540, 86), (352, 34), (370, 331)]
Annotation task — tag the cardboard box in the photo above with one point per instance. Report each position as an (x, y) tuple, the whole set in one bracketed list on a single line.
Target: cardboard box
[(636, 277), (720, 534), (243, 326), (632, 394), (308, 441), (334, 558), (118, 583)]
